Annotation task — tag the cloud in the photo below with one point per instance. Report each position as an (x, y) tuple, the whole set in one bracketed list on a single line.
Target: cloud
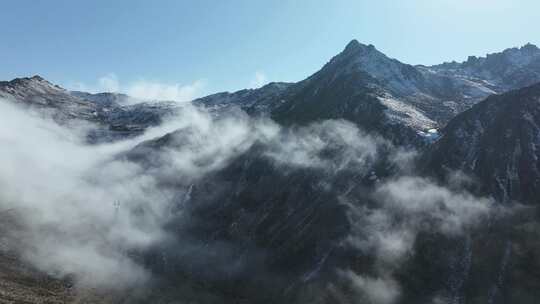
[(259, 79), (109, 83), (149, 90), (381, 290), (65, 205), (332, 145), (64, 193), (144, 89), (402, 208)]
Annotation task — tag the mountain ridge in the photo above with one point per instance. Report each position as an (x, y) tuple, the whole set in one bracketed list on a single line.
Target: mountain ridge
[(110, 116), (417, 97), (496, 141)]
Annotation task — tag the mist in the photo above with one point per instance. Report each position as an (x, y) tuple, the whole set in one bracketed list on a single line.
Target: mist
[(84, 210)]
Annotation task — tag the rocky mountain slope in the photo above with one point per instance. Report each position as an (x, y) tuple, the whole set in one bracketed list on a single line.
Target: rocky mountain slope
[(108, 116), (496, 141), (293, 229), (38, 93), (256, 101), (511, 69), (282, 212)]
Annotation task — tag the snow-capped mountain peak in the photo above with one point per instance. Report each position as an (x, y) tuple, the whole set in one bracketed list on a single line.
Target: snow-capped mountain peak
[(399, 78), (354, 46)]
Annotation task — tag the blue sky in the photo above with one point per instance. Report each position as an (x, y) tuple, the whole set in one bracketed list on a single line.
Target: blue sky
[(197, 47)]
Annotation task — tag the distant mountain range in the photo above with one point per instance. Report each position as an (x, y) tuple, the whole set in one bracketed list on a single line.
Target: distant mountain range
[(360, 84), (365, 86), (292, 226), (115, 116)]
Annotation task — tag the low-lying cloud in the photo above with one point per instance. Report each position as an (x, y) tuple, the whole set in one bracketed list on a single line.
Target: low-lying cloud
[(85, 211), (64, 193), (259, 80), (403, 208), (144, 89)]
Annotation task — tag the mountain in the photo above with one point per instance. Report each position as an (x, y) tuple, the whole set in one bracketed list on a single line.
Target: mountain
[(402, 102), (279, 228), (361, 85), (109, 114), (256, 101), (511, 69), (107, 99), (322, 207), (38, 93), (498, 142), (288, 226), (399, 100), (423, 97)]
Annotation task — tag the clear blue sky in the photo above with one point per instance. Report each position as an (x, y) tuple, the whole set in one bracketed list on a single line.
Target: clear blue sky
[(225, 43)]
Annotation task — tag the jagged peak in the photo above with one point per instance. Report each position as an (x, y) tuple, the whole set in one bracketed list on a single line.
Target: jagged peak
[(33, 81), (355, 46), (528, 50), (360, 53), (37, 78), (530, 45)]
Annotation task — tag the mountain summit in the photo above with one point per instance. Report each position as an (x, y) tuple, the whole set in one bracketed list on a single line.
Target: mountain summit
[(355, 47), (400, 78), (380, 93)]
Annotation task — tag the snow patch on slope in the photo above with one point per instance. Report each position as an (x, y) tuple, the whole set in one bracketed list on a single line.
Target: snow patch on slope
[(401, 112)]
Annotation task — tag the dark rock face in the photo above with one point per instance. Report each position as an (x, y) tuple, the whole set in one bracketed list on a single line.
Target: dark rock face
[(257, 231), (496, 141)]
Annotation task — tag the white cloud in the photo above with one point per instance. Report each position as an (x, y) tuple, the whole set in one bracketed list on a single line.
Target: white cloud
[(62, 194), (151, 90), (65, 208), (451, 210), (143, 89), (65, 190), (381, 290), (109, 83), (259, 79), (402, 208), (309, 146)]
